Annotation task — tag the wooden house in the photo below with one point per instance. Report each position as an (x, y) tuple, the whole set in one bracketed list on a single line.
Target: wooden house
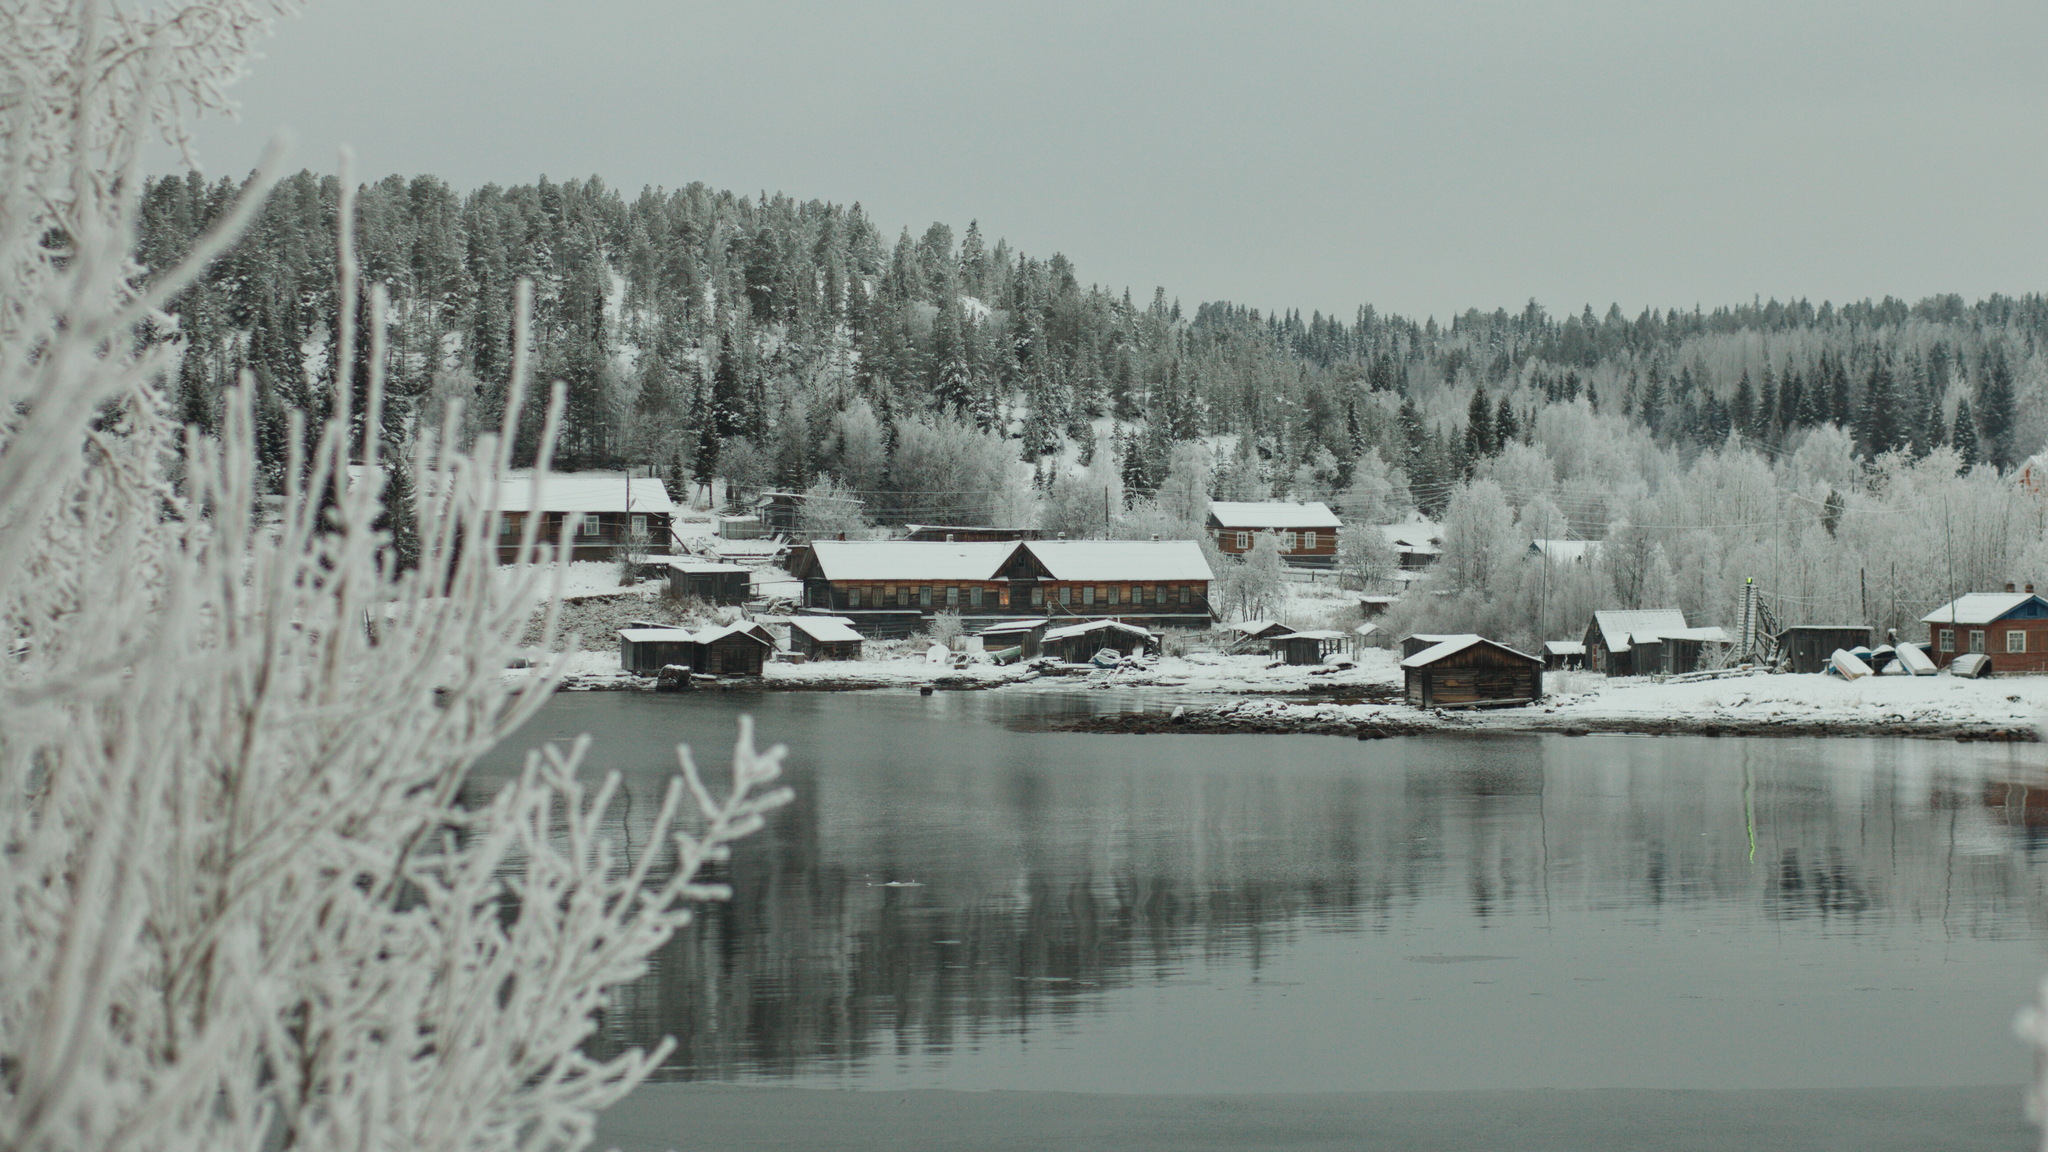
[(709, 581), (1472, 672), (824, 638), (1806, 647), (1078, 643), (892, 586), (1416, 543), (1306, 533), (594, 515), (2010, 628), (1647, 642), (652, 649), (1309, 647)]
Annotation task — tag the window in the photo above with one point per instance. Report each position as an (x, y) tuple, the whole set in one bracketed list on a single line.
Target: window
[(2016, 640), (1184, 593), (1105, 595), (1287, 541), (953, 597), (853, 597), (508, 525), (1308, 541), (924, 595), (1003, 597), (1066, 594), (1976, 640), (593, 525), (974, 596), (1948, 639), (1088, 594), (1244, 541), (1037, 596), (639, 524)]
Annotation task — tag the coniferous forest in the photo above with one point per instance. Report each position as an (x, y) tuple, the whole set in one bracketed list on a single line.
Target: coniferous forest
[(945, 377)]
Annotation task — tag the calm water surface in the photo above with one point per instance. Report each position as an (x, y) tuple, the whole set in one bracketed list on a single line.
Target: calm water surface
[(961, 899)]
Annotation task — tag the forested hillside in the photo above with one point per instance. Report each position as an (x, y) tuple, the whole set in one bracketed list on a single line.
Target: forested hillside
[(946, 377)]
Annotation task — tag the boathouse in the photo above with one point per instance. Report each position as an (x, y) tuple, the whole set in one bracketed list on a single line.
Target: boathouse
[(1472, 672), (1078, 643), (824, 638), (1806, 647), (652, 649), (709, 580)]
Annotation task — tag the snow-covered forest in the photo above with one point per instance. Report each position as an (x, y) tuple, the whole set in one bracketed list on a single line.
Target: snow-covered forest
[(944, 377)]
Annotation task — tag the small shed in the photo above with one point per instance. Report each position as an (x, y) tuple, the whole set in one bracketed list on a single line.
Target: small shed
[(652, 649), (1305, 647), (1374, 605), (1252, 635), (1078, 643), (824, 638), (1806, 647), (732, 650), (1472, 672), (1564, 655), (1023, 635), (709, 581)]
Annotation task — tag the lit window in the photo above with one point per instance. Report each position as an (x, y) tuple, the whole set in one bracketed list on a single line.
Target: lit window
[(1948, 639), (2016, 640), (1976, 640), (593, 524)]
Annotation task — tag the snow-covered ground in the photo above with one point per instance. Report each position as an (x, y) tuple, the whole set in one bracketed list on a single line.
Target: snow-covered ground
[(1873, 701), (584, 578)]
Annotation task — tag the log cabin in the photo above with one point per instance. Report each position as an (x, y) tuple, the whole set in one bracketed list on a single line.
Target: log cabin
[(1472, 672), (1306, 533)]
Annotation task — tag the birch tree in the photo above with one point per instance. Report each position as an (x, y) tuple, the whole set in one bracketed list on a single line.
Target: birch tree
[(241, 906)]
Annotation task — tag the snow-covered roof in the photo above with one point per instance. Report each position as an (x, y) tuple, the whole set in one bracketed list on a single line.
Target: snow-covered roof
[(1416, 535), (1366, 629), (1564, 551), (1258, 627), (1005, 627), (690, 564), (1313, 634), (1979, 608), (1273, 514), (1086, 560), (825, 629), (910, 559), (744, 628), (1095, 626), (1617, 625), (582, 492), (1452, 645), (1377, 599), (656, 635), (1564, 647)]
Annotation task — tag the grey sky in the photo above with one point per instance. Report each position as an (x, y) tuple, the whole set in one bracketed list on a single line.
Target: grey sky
[(1421, 157)]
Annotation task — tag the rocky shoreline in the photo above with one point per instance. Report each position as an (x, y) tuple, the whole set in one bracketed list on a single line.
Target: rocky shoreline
[(1235, 720)]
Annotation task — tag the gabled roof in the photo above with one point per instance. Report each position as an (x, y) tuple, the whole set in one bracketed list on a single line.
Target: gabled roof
[(692, 564), (582, 492), (1006, 627), (1564, 551), (744, 628), (1423, 537), (1980, 607), (1452, 645), (1564, 647), (1311, 634), (1272, 514), (1141, 560), (825, 629), (1617, 625), (910, 559), (656, 635), (1083, 629), (1261, 628)]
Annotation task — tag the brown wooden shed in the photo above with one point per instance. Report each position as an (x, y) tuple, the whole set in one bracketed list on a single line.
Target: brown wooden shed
[(1806, 647), (733, 650), (1305, 647), (1078, 643), (824, 638), (709, 581), (1472, 672), (652, 649)]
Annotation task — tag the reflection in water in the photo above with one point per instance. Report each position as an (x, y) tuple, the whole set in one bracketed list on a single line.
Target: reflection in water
[(946, 883)]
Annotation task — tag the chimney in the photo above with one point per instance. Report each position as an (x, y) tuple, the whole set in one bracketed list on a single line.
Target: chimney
[(2030, 589), (2010, 588)]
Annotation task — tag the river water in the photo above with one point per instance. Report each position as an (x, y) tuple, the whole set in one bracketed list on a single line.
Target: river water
[(962, 899)]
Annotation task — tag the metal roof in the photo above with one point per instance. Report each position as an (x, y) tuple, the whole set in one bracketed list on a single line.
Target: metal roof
[(692, 565), (1273, 514), (824, 628), (1564, 647), (1094, 626), (656, 635), (1979, 608), (911, 560), (1456, 644), (1150, 561), (1616, 625)]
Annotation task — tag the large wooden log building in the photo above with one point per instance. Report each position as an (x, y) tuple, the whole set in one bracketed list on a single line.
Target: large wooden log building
[(1472, 672)]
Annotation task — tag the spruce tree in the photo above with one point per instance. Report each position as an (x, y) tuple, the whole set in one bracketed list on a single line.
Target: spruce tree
[(1479, 441), (1965, 437), (1742, 412), (1995, 408), (1506, 428), (1879, 427)]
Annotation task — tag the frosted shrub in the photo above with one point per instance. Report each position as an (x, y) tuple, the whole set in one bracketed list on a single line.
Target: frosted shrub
[(240, 905)]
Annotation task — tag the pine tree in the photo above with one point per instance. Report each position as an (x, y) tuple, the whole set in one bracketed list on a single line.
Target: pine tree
[(1742, 412), (1965, 435), (1879, 426), (1479, 441), (1995, 408)]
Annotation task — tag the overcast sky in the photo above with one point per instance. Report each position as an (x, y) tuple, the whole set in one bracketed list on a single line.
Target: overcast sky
[(1423, 157)]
